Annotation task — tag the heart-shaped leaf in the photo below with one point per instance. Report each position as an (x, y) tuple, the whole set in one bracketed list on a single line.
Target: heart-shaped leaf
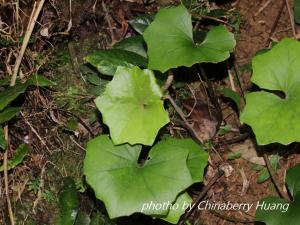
[(127, 187), (170, 41), (277, 211), (107, 61), (272, 118), (132, 107)]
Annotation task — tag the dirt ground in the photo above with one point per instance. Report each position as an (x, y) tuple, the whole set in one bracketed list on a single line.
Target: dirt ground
[(57, 150)]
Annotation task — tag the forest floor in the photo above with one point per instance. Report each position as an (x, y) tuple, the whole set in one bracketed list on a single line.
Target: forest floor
[(57, 122)]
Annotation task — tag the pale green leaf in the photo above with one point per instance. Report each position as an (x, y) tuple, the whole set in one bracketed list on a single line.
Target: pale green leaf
[(8, 113), (170, 41), (107, 61), (178, 208), (17, 158), (277, 211), (272, 118), (127, 187), (131, 106), (135, 44)]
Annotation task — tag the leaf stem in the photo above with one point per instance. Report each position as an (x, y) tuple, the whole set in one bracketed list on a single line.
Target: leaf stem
[(186, 123), (218, 175), (275, 179)]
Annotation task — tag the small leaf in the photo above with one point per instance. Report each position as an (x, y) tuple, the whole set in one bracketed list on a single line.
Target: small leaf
[(135, 44), (141, 22), (3, 142), (107, 61), (8, 113), (232, 95), (297, 11), (17, 158), (93, 79), (82, 219), (172, 29), (127, 187), (264, 173), (178, 209), (10, 94), (39, 80), (68, 203), (277, 211), (272, 118), (234, 155), (129, 105)]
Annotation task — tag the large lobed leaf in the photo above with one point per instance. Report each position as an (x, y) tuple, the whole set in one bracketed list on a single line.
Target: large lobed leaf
[(131, 106), (124, 185), (279, 216), (272, 118), (170, 41)]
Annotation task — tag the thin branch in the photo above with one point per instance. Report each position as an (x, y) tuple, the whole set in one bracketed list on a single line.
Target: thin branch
[(291, 16), (230, 218), (34, 15), (275, 23), (275, 179), (168, 82), (10, 212), (218, 175), (186, 123)]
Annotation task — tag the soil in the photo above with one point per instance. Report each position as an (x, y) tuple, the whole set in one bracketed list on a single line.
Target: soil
[(58, 149)]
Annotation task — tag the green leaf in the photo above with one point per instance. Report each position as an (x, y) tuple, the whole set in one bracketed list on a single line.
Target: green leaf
[(280, 211), (177, 208), (82, 219), (93, 79), (264, 173), (275, 119), (8, 113), (10, 94), (170, 41), (127, 187), (3, 142), (107, 61), (39, 80), (234, 155), (68, 203), (131, 106), (134, 44), (141, 22), (17, 158), (297, 11), (232, 95)]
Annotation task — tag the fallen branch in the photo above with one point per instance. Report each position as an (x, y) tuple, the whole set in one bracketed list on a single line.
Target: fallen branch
[(218, 175)]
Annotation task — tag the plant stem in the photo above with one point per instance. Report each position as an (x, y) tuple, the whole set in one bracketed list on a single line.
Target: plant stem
[(211, 92), (218, 175), (186, 123), (168, 82), (275, 179), (10, 212)]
